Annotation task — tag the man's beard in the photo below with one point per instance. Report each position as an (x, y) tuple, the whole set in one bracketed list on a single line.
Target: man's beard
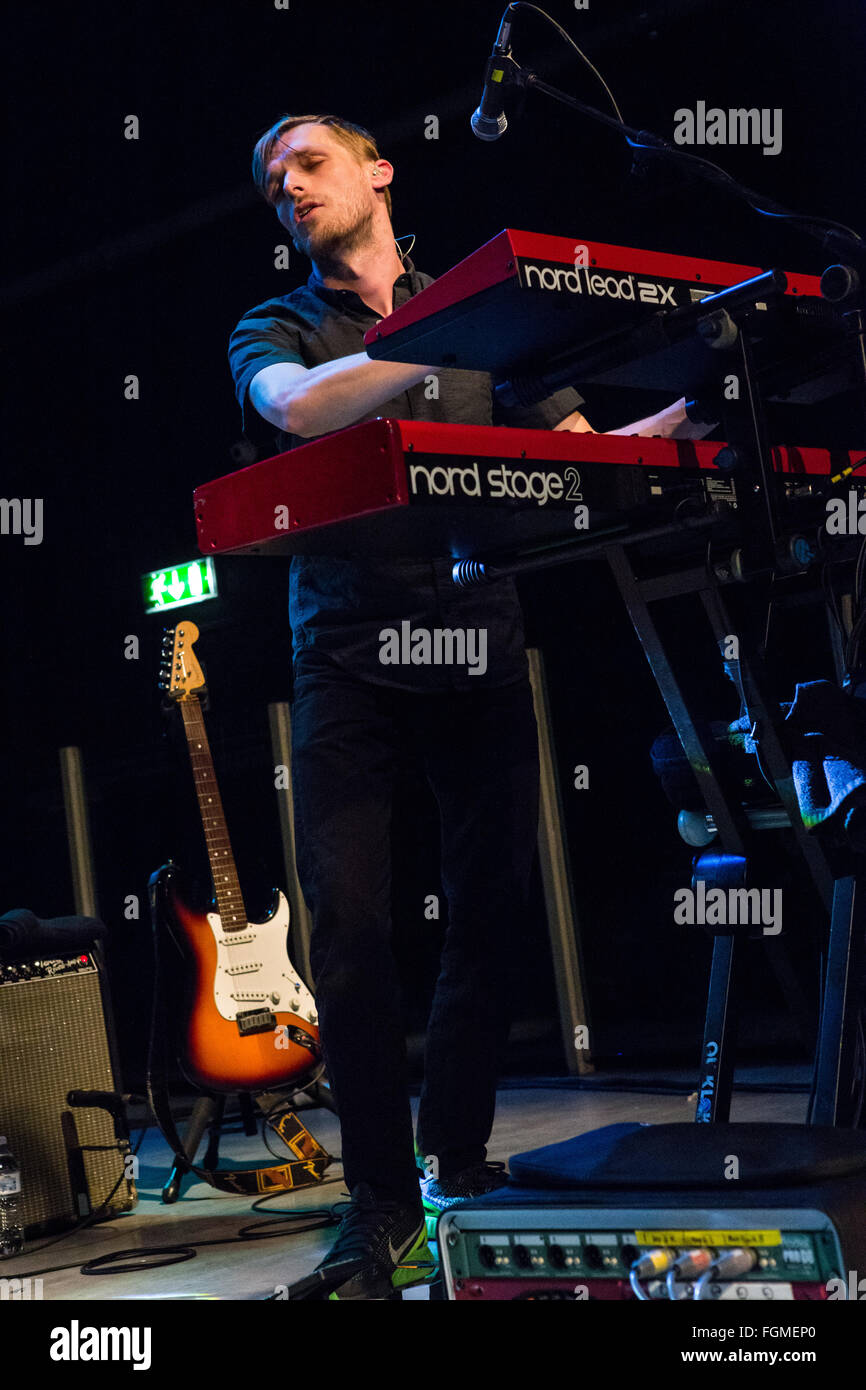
[(330, 247)]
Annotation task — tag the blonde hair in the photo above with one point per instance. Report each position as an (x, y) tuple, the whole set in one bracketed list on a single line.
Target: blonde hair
[(361, 143)]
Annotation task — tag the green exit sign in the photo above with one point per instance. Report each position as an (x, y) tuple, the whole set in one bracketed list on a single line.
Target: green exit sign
[(182, 584)]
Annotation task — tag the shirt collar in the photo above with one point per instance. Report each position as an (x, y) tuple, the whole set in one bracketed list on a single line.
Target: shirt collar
[(349, 299)]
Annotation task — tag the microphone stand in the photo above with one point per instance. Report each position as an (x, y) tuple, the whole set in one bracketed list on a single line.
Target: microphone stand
[(833, 236)]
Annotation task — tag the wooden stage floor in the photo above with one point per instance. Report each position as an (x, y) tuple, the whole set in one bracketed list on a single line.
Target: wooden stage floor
[(528, 1115)]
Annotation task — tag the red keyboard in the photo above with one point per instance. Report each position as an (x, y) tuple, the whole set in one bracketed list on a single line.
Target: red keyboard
[(524, 296), (404, 487)]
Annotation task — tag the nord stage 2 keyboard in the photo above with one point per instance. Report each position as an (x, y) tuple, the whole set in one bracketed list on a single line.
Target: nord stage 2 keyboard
[(402, 487)]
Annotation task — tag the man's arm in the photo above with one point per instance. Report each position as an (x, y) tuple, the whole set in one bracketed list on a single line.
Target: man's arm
[(307, 401), (670, 423)]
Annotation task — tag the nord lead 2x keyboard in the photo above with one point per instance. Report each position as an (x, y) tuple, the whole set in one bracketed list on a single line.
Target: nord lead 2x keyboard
[(523, 297)]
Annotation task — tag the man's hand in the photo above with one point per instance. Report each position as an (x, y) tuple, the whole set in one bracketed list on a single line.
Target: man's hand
[(670, 423), (577, 423)]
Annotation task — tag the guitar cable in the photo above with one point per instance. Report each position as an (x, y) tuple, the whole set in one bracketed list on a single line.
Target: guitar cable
[(139, 1258), (84, 1222)]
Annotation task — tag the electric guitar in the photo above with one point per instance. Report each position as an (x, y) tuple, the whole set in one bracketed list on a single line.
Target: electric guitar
[(251, 1022)]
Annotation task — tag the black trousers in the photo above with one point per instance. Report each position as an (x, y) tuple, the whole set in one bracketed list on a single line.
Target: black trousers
[(480, 755)]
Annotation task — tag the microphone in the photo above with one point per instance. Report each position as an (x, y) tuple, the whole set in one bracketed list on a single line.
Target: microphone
[(112, 1101), (488, 121), (100, 1100)]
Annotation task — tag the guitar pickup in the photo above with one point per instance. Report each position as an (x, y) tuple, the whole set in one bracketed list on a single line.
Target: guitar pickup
[(256, 1021)]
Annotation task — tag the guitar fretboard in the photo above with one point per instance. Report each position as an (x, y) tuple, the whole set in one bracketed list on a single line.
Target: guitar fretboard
[(227, 889)]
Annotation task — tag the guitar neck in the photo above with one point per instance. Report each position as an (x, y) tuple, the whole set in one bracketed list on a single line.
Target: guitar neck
[(227, 891)]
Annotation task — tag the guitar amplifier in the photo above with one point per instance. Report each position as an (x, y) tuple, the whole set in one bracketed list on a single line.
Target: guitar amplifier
[(54, 1038)]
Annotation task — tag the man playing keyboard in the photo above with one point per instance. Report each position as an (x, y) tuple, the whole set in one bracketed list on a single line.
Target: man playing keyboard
[(300, 368)]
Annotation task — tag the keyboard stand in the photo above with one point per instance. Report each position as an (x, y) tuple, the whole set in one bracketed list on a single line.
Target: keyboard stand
[(839, 891), (734, 831)]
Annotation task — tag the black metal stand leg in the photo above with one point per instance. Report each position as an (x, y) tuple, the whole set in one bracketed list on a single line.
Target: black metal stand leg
[(768, 717), (203, 1111), (717, 1075), (211, 1157), (843, 998), (248, 1114), (717, 1059), (638, 594)]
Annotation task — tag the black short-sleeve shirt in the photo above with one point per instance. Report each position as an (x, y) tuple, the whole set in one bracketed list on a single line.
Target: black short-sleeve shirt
[(339, 606)]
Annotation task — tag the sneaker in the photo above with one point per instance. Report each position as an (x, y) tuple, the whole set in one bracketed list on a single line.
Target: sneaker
[(381, 1248), (440, 1193)]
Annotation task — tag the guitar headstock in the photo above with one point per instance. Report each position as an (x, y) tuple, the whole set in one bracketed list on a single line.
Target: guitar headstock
[(181, 674)]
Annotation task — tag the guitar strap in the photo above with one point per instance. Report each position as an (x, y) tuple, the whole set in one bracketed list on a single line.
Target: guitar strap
[(310, 1158)]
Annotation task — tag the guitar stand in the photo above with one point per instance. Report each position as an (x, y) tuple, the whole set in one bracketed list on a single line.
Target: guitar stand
[(208, 1113)]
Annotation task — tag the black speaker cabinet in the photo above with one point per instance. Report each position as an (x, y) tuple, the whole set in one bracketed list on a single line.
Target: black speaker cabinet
[(55, 1037)]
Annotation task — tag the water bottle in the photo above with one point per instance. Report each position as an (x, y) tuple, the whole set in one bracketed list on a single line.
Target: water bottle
[(11, 1234)]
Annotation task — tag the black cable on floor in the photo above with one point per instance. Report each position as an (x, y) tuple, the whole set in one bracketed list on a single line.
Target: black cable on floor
[(109, 1264), (97, 1214), (104, 1264)]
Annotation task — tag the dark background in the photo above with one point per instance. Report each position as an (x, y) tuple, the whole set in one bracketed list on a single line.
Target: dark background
[(140, 256)]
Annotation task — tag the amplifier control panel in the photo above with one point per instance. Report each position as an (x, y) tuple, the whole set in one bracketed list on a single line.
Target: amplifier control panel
[(19, 971)]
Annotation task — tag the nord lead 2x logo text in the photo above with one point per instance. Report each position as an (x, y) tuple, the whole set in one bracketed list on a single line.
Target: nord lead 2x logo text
[(584, 280)]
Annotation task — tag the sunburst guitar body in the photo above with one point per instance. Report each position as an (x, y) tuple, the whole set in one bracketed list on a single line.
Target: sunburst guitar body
[(250, 1022)]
